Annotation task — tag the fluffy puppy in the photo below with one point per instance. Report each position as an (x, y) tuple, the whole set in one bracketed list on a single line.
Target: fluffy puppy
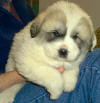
[(59, 37)]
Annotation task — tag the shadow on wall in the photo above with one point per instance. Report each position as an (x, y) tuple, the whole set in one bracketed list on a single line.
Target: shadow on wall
[(97, 32)]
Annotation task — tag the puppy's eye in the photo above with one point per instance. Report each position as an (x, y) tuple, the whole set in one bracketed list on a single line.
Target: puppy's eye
[(75, 36), (56, 34)]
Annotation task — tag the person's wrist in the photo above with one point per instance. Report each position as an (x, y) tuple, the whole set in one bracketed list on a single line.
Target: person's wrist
[(19, 77)]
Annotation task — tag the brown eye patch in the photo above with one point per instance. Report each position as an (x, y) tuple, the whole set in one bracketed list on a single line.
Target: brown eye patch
[(55, 35), (75, 36), (80, 43)]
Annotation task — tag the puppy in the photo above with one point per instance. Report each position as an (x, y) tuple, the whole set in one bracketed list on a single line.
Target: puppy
[(59, 37)]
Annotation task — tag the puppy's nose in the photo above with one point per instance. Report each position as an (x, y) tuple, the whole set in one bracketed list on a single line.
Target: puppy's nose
[(63, 52)]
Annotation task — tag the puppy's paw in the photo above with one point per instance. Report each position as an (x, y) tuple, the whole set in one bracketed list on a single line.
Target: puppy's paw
[(55, 89), (54, 94), (69, 85), (70, 81)]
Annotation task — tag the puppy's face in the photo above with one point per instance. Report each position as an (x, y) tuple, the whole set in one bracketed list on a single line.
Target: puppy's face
[(65, 35)]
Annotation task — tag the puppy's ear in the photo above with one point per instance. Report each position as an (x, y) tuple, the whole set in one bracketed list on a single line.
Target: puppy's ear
[(94, 42), (36, 25), (35, 29), (93, 38)]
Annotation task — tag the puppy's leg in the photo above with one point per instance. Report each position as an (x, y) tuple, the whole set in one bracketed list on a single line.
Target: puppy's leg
[(8, 95), (46, 76), (70, 79)]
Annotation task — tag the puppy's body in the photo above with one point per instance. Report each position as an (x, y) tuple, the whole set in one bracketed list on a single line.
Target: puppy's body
[(58, 37)]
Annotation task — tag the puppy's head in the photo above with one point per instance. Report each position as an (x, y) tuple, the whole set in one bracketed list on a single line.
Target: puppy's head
[(64, 31)]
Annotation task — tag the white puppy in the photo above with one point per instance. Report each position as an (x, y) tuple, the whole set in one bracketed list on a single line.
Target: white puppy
[(59, 37)]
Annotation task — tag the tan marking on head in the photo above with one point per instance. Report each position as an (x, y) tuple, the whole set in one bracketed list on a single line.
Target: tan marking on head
[(85, 27), (55, 19), (56, 15)]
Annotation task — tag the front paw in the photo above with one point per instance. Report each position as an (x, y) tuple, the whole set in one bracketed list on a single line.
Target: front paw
[(55, 89), (70, 80), (69, 84)]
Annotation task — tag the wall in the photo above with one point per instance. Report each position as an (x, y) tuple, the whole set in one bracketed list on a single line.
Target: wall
[(91, 6)]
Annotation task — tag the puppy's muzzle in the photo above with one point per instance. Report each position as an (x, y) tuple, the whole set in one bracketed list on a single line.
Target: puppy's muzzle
[(62, 52)]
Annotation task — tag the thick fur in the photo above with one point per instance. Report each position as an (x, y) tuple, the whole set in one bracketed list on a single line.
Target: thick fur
[(34, 52)]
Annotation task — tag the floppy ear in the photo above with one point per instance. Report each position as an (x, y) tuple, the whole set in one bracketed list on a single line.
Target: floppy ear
[(94, 42), (35, 29), (93, 39), (36, 25)]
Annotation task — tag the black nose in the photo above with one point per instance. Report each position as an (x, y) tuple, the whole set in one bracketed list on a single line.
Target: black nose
[(63, 52)]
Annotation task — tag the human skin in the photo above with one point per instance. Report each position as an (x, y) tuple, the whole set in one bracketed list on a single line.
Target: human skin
[(10, 78)]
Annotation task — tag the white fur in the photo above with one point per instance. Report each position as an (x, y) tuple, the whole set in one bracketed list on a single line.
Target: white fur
[(36, 59)]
